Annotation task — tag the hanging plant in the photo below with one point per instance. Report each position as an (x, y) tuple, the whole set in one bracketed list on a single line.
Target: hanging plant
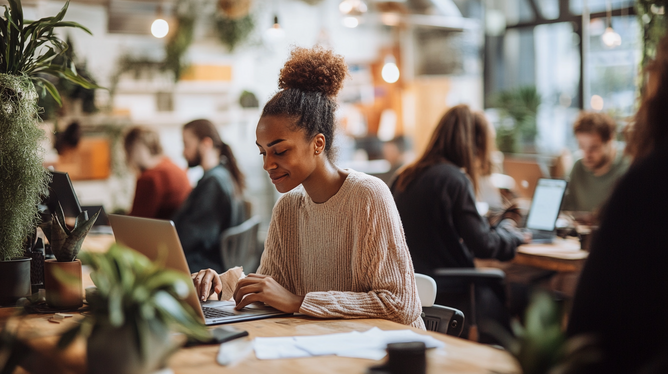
[(180, 40), (653, 20), (233, 32)]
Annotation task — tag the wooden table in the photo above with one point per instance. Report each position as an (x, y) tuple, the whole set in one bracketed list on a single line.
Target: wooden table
[(458, 355), (564, 256)]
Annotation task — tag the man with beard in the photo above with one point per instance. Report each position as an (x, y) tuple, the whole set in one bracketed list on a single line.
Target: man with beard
[(216, 203), (594, 175)]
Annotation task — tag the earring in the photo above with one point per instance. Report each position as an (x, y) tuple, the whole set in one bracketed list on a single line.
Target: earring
[(317, 152)]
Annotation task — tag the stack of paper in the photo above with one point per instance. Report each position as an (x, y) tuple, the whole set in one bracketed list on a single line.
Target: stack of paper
[(370, 344)]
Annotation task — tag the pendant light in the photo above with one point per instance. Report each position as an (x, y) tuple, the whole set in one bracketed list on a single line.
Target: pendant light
[(610, 38), (160, 27), (390, 72)]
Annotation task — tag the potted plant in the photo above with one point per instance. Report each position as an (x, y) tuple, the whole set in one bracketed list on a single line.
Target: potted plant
[(136, 305), (62, 275), (26, 51)]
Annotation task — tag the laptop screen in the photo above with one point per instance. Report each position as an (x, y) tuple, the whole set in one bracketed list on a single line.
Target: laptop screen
[(546, 203)]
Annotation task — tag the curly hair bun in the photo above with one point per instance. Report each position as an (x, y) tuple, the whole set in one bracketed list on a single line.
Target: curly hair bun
[(313, 70)]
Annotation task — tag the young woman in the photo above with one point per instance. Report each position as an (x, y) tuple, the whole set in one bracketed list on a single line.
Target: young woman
[(162, 186), (335, 247), (435, 197)]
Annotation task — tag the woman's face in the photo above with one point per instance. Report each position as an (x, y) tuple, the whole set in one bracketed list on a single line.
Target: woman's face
[(289, 157)]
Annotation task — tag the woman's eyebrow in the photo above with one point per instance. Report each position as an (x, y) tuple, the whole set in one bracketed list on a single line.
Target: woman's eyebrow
[(271, 143)]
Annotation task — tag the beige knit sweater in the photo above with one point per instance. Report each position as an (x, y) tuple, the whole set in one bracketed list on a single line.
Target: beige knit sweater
[(347, 256)]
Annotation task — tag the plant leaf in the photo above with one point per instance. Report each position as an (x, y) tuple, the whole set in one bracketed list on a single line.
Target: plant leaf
[(72, 24), (50, 88), (68, 337)]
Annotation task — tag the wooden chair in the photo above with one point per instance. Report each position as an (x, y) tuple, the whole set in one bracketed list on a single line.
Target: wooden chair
[(239, 246), (437, 318)]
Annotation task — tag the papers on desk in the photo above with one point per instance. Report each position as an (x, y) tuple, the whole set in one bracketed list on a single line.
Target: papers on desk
[(370, 344)]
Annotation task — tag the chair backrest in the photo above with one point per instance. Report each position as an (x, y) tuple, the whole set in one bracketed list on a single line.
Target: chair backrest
[(239, 246), (426, 286), (443, 319)]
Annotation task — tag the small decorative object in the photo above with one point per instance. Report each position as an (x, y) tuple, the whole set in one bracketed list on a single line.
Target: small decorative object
[(247, 99), (403, 358), (26, 53), (136, 305), (62, 276)]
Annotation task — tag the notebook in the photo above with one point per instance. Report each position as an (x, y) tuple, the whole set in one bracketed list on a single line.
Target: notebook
[(150, 237)]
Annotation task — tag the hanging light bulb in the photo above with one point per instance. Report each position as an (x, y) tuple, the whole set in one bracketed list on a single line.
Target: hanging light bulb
[(610, 38), (390, 72), (350, 22), (275, 33), (160, 28), (352, 10)]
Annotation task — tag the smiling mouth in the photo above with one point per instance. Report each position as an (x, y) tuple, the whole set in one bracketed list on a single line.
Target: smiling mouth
[(279, 179)]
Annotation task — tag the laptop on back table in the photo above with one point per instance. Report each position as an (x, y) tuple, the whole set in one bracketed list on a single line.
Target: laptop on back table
[(150, 237), (544, 211)]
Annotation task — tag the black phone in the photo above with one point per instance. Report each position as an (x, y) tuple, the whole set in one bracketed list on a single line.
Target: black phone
[(220, 335)]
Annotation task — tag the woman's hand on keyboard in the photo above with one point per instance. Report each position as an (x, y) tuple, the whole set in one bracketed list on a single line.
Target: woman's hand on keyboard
[(207, 282), (256, 287)]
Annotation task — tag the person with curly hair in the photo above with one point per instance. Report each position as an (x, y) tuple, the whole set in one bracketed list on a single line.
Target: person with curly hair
[(335, 246)]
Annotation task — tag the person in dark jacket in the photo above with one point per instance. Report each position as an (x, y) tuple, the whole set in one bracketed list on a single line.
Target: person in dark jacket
[(622, 294), (436, 200), (216, 203)]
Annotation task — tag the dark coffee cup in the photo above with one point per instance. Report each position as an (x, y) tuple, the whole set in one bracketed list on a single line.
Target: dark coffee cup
[(403, 358)]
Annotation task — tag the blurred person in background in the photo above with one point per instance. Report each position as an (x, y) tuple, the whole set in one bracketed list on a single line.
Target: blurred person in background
[(485, 138), (436, 200), (622, 293), (162, 186), (594, 176), (216, 203), (394, 152)]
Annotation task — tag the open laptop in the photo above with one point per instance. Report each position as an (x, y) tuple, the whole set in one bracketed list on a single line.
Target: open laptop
[(150, 237), (544, 211)]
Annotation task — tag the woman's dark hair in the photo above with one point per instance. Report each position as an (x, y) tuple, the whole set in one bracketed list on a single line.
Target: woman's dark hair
[(309, 82), (203, 128), (484, 144), (69, 138), (146, 136), (452, 141), (650, 129)]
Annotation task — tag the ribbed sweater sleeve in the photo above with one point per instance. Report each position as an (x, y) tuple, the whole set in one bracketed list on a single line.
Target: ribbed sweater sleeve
[(358, 264)]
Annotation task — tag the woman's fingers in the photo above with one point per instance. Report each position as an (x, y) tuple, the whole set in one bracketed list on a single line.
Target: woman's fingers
[(251, 298), (206, 283), (243, 291)]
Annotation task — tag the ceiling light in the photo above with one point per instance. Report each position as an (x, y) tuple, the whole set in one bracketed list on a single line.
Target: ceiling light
[(390, 72), (160, 28), (596, 103)]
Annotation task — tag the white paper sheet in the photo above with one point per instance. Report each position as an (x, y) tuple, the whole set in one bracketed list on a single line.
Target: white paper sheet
[(370, 344)]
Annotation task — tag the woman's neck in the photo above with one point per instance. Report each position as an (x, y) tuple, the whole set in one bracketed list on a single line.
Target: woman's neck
[(325, 181)]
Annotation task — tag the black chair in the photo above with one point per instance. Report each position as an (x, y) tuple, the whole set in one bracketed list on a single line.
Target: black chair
[(443, 319), (239, 245), (466, 288)]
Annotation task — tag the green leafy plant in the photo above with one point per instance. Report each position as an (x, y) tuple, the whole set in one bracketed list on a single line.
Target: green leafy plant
[(133, 291), (541, 346), (232, 32), (521, 106), (66, 243), (22, 43), (180, 40), (654, 23)]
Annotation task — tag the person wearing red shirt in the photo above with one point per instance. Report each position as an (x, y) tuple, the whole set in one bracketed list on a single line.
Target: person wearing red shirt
[(162, 186)]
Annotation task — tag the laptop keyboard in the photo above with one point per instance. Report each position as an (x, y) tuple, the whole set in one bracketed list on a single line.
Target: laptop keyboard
[(215, 313)]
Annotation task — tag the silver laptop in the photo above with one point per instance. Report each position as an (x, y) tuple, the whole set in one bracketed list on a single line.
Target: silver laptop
[(544, 210), (152, 236)]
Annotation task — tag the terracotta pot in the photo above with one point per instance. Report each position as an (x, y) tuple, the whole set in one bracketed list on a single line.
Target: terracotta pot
[(63, 293), (14, 280)]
